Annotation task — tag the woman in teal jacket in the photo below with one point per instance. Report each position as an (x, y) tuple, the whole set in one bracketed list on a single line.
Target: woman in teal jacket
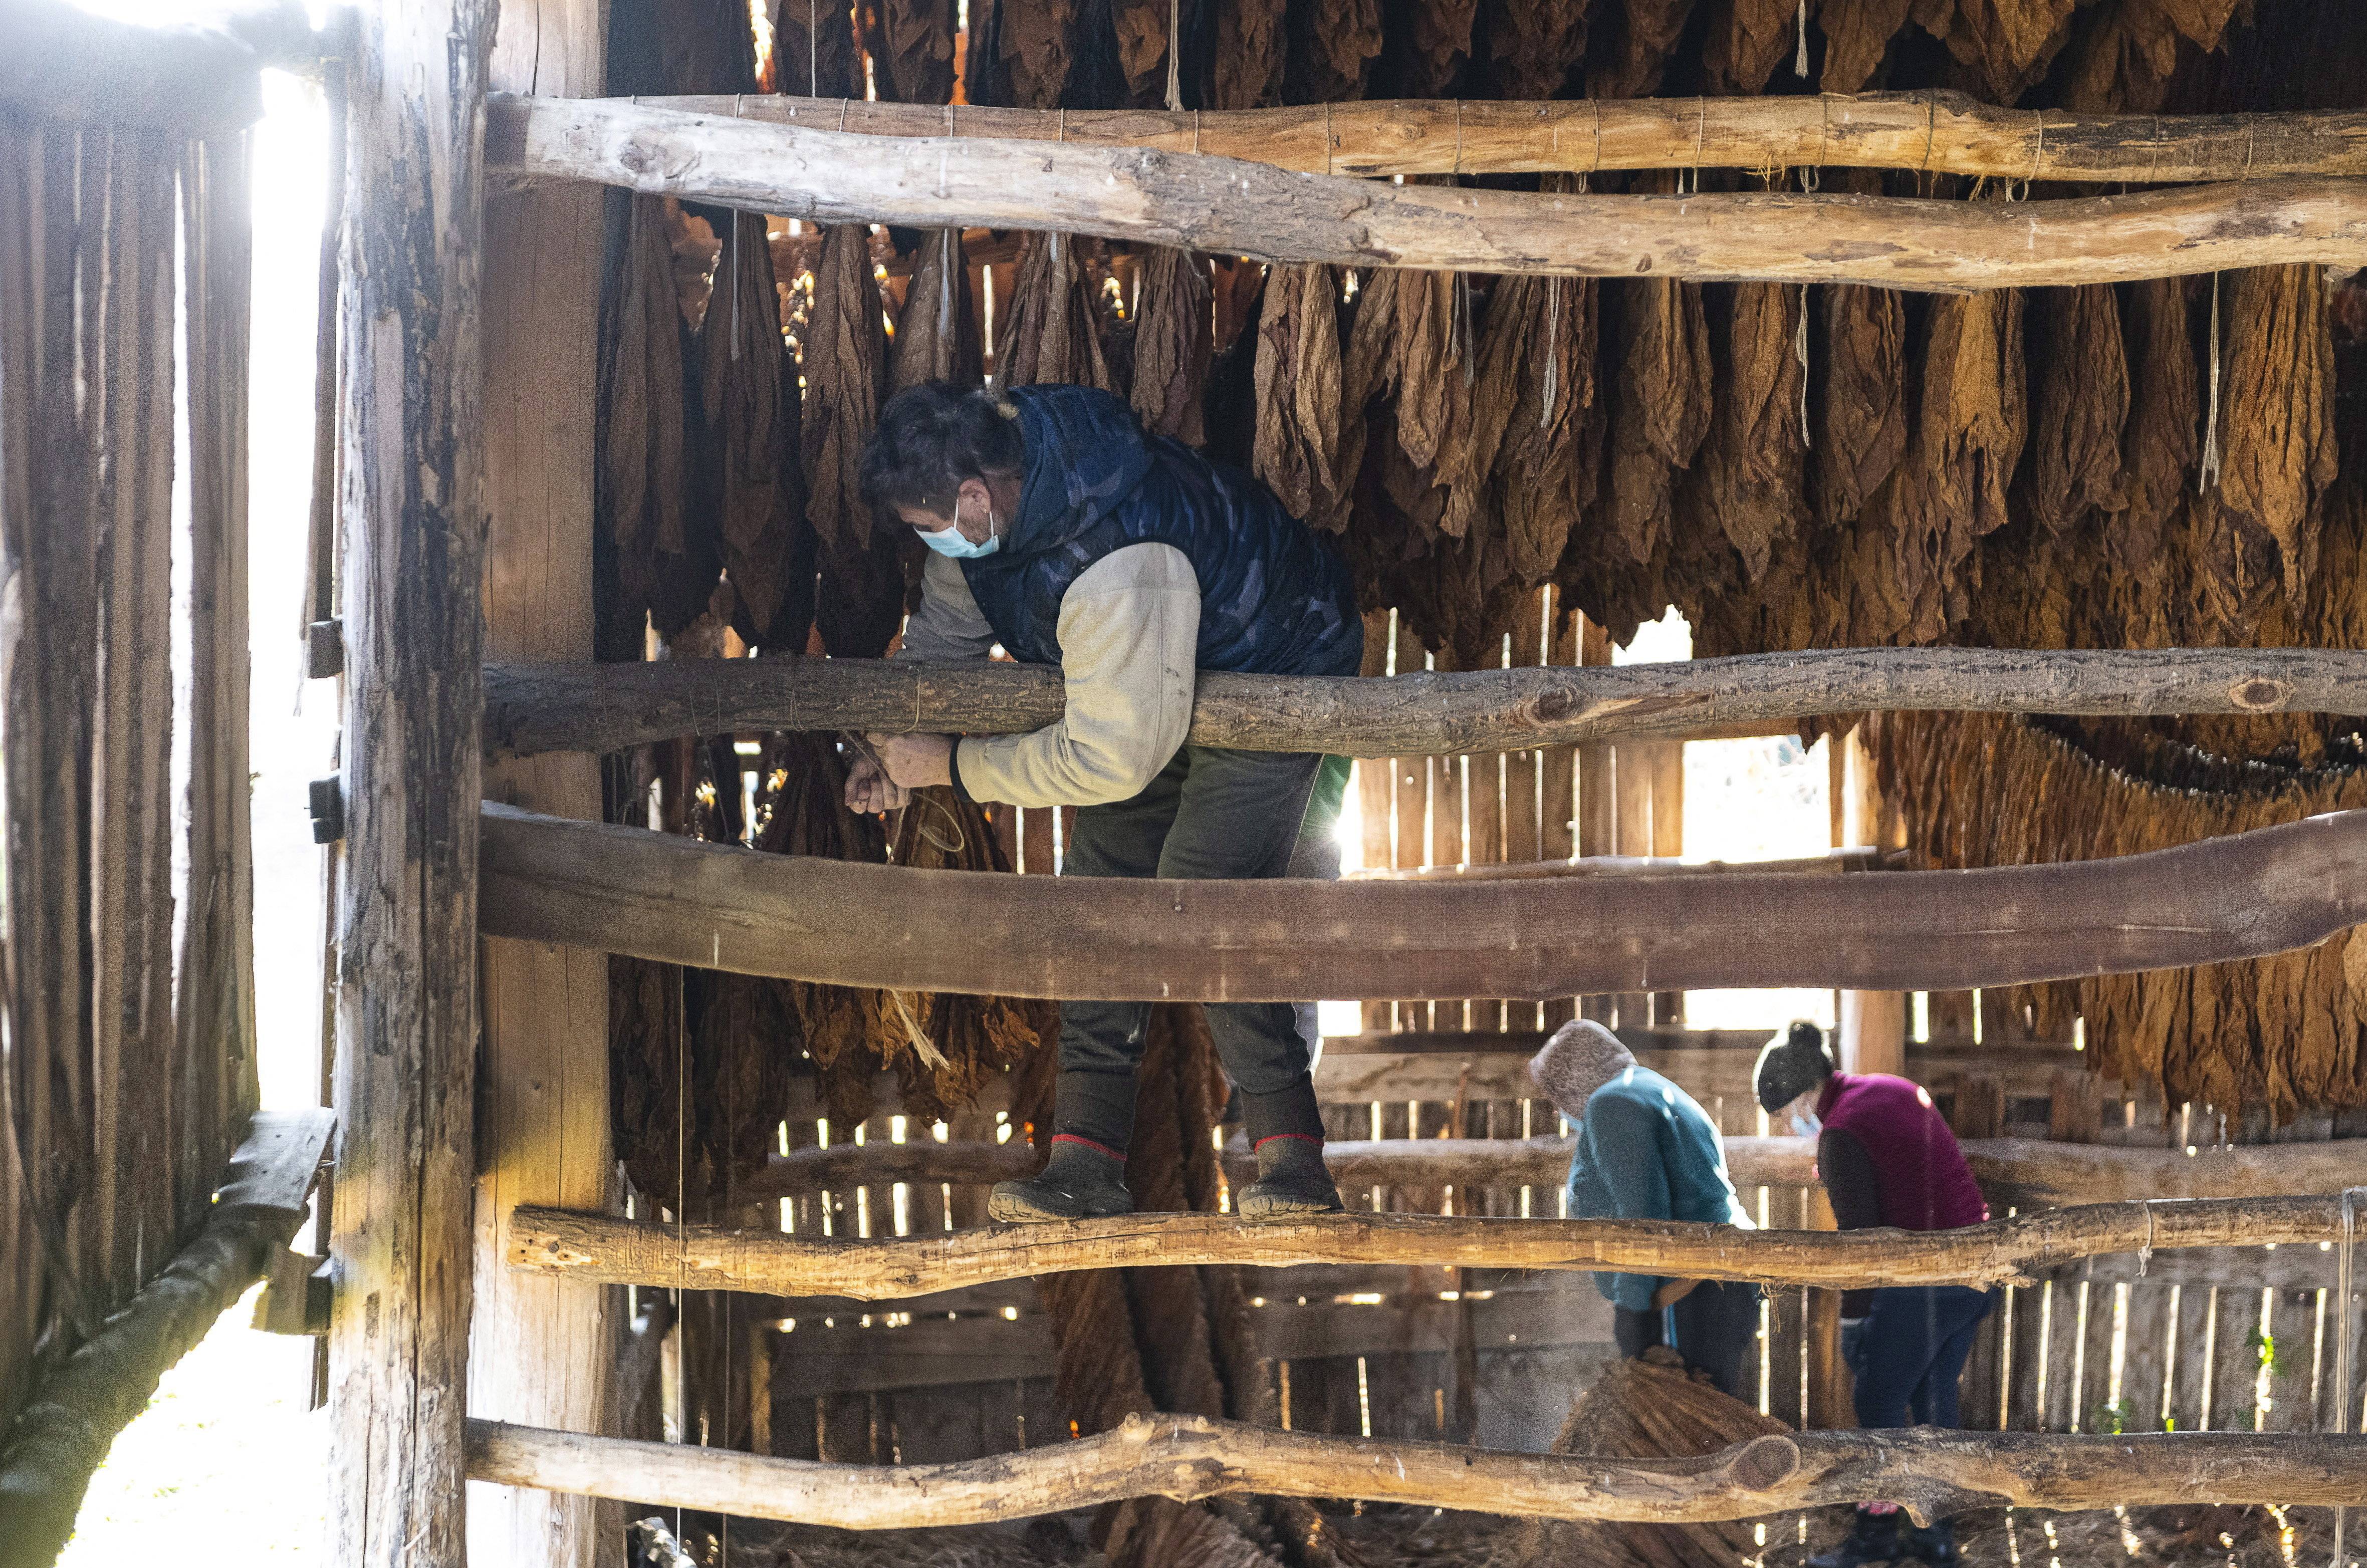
[(1646, 1151)]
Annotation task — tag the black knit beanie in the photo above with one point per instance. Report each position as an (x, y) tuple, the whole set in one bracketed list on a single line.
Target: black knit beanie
[(1792, 1064)]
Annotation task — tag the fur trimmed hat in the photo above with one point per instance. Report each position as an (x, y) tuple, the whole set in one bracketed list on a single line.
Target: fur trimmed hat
[(1581, 1057)]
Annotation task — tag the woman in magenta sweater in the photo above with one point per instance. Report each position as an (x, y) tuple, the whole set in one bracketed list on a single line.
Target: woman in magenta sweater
[(1886, 1157)]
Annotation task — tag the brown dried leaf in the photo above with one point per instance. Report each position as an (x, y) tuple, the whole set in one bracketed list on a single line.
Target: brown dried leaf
[(1053, 330), (1172, 321), (813, 51), (749, 392), (1645, 35), (1309, 440), (1662, 410), (1753, 458), (1430, 41), (1971, 421), (2277, 427), (1857, 35), (1549, 460), (1250, 52), (1141, 31), (1860, 415), (1035, 42), (915, 62), (2010, 42), (1535, 45), (1747, 39), (937, 336), (2082, 394), (1333, 44), (846, 372)]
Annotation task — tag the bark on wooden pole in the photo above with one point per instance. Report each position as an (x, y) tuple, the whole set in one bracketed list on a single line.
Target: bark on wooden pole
[(2028, 1172), (607, 707), (1933, 1472), (1227, 205), (543, 1352), (706, 1257), (412, 468), (654, 895), (1935, 132)]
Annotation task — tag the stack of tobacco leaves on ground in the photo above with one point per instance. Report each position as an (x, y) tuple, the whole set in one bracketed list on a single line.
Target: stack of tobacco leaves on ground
[(2286, 1031), (1646, 1409)]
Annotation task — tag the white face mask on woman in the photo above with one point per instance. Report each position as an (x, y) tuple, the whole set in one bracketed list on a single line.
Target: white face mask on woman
[(949, 540), (1803, 1115)]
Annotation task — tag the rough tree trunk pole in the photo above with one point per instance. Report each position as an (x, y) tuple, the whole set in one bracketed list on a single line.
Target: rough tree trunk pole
[(544, 1351), (607, 707), (657, 897), (1935, 132), (410, 434), (1255, 210)]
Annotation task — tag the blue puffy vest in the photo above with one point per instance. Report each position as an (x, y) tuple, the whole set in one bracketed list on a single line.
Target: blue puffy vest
[(1275, 600)]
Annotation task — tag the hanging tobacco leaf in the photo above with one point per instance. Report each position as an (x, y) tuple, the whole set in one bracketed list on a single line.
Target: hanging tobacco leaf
[(1644, 34), (1333, 44), (1971, 421), (1051, 331), (1857, 35), (2081, 390), (749, 391), (667, 554), (2162, 436), (708, 46), (1662, 412), (1428, 44), (1861, 416), (915, 60), (1036, 46), (2010, 42), (1309, 440), (2276, 430), (1747, 39), (2124, 62), (1549, 460), (1171, 327), (1138, 37), (936, 333), (1753, 460), (1534, 44), (845, 371), (1250, 52), (813, 51)]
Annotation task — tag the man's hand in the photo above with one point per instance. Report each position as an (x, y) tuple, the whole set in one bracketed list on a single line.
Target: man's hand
[(869, 789), (1672, 1292), (916, 761)]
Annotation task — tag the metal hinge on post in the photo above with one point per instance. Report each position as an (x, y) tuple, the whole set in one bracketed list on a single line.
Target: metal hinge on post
[(328, 805), (325, 649), (295, 1297)]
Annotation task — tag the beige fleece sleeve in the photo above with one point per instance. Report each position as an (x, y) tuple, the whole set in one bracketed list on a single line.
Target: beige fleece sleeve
[(1130, 630), (948, 625)]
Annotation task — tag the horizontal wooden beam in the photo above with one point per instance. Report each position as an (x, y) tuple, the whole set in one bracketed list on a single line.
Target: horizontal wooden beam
[(1832, 862), (1935, 132), (602, 1250), (2028, 1172), (607, 707), (1933, 1472), (655, 895), (1236, 208), (73, 1416)]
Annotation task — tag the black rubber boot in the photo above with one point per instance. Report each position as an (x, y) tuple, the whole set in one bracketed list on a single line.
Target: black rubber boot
[(1082, 1180), (1934, 1544), (1292, 1182), (1872, 1538)]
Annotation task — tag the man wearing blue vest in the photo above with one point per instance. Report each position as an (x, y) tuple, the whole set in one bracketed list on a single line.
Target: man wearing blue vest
[(1063, 532)]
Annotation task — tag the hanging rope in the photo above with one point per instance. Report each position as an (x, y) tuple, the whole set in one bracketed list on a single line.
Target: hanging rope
[(2207, 474), (1800, 59), (1175, 62)]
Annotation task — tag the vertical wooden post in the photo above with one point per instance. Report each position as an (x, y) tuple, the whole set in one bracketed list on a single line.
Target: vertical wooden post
[(545, 1351), (1873, 1023), (411, 437), (1597, 813)]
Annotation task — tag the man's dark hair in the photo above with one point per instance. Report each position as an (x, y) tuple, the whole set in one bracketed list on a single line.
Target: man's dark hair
[(1791, 1066), (932, 438)]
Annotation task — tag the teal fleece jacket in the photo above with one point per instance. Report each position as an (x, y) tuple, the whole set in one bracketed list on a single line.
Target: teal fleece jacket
[(1646, 1151)]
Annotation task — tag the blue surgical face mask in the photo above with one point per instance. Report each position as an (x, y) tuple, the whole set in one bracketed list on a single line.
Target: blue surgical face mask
[(949, 540), (1805, 1124)]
